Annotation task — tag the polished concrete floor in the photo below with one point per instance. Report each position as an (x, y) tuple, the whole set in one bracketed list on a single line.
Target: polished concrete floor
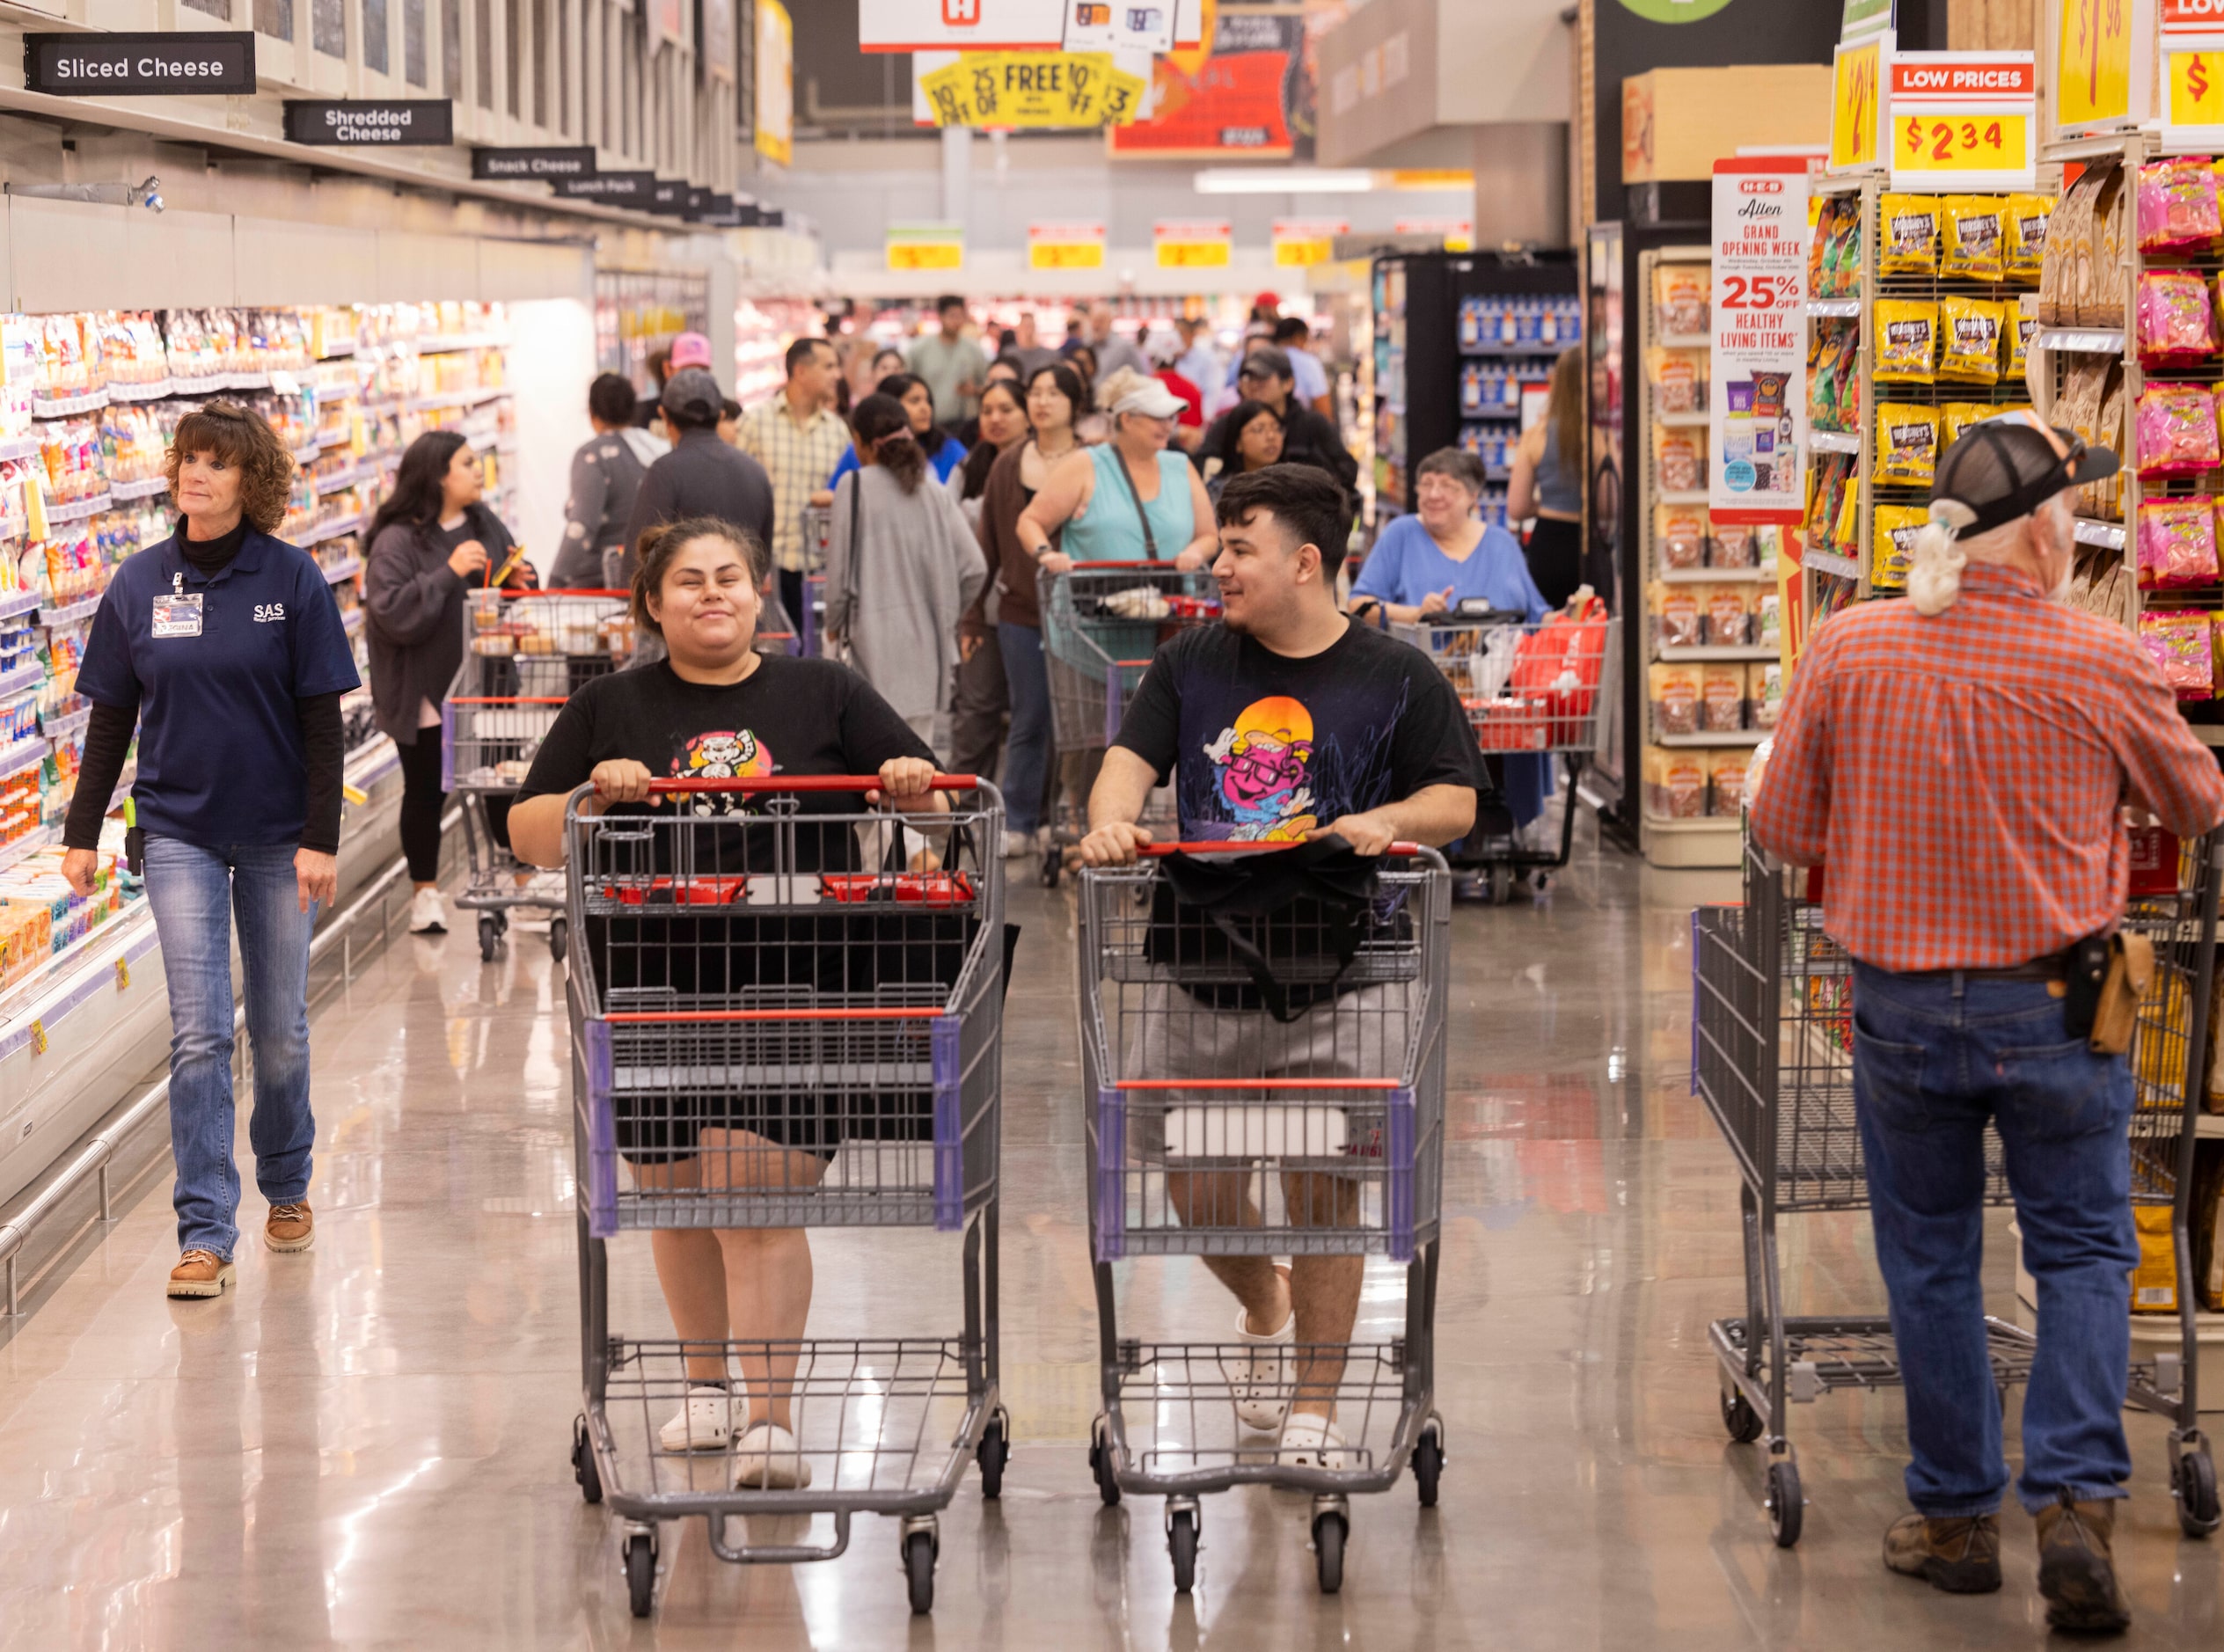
[(366, 1445)]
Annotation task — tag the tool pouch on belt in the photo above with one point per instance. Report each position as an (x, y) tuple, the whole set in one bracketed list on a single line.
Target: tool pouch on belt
[(2131, 966)]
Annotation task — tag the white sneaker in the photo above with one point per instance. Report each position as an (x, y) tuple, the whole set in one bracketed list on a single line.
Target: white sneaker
[(767, 1459), (1256, 1383), (428, 913), (530, 920), (705, 1423), (1018, 845), (1311, 1442)]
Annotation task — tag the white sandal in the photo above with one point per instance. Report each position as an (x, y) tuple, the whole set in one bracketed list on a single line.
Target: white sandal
[(1311, 1442), (705, 1423), (766, 1458)]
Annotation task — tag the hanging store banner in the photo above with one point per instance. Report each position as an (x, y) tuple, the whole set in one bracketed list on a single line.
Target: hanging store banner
[(1187, 244), (1119, 26), (529, 166), (1032, 90), (775, 83), (1857, 100), (1301, 243), (1066, 246), (1965, 120), (2094, 86), (1458, 234), (181, 65), (1251, 96), (1012, 25), (617, 189), (2192, 74), (668, 197), (1758, 403), (925, 246), (421, 123)]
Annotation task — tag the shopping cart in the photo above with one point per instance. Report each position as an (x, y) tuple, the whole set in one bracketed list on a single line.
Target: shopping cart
[(1349, 1109), (1772, 1056), (810, 624), (1532, 693), (723, 974), (1100, 624), (530, 651)]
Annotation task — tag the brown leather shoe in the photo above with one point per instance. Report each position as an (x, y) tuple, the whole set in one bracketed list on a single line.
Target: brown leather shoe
[(2076, 1569), (199, 1273), (289, 1227), (1961, 1556)]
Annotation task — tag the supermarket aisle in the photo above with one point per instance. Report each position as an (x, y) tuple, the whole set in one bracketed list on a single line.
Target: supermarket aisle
[(366, 1446)]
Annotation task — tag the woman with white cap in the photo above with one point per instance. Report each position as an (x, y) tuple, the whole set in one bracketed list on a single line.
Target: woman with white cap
[(1129, 500)]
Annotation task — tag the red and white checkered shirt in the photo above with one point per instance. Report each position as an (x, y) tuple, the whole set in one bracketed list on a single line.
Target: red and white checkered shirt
[(1961, 774)]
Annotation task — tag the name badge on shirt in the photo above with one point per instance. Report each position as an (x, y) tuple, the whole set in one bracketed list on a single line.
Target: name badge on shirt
[(177, 615)]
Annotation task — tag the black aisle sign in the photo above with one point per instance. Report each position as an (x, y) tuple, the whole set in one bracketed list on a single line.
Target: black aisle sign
[(619, 189), (668, 197), (140, 65), (533, 165), (328, 124)]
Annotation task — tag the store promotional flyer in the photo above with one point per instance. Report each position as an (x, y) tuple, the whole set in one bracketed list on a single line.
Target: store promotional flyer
[(1758, 409)]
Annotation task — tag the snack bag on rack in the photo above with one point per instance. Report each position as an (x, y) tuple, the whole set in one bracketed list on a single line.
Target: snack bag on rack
[(1768, 619), (1676, 784), (1729, 616), (1734, 545), (1680, 296), (1763, 692), (1971, 235), (2104, 498), (1908, 245), (1726, 781), (1678, 614), (2015, 339), (2178, 640), (2100, 282), (1969, 331), (1955, 417), (2177, 204), (2175, 429), (1907, 341), (1897, 526), (1675, 693), (2025, 223), (1680, 530), (1906, 443), (2176, 543), (1721, 698), (2177, 318), (1680, 458)]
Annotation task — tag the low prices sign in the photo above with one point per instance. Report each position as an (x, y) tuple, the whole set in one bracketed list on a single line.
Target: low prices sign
[(1757, 414), (1185, 243), (925, 246), (1066, 246), (2192, 79), (1299, 242), (1965, 120)]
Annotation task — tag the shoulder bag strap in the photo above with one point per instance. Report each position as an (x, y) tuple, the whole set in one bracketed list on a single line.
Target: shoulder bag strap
[(1150, 540)]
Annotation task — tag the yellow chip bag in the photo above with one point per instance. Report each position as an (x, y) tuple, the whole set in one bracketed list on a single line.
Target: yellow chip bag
[(1897, 526), (2015, 339), (1969, 333), (1907, 341), (1906, 443), (2024, 235), (1971, 231), (1909, 241)]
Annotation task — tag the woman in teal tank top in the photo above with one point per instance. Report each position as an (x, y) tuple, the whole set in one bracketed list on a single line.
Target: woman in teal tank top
[(1098, 495)]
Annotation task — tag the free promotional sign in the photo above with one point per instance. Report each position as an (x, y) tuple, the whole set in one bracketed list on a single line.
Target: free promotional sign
[(2094, 89), (1032, 90), (1856, 91), (2193, 79), (421, 122), (1965, 120), (1187, 243), (1066, 246), (1014, 25), (1300, 243), (1757, 412), (533, 165), (190, 64), (925, 246)]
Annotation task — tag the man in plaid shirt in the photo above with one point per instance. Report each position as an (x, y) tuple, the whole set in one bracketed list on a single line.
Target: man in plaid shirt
[(798, 439), (1959, 761)]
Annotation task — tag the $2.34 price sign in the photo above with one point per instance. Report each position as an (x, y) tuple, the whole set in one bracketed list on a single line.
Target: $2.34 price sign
[(1959, 143)]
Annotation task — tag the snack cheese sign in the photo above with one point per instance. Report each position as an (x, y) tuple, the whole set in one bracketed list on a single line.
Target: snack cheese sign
[(1965, 120), (2192, 73), (1757, 401)]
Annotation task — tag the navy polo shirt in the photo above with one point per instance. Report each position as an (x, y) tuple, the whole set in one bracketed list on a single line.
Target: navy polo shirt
[(221, 758)]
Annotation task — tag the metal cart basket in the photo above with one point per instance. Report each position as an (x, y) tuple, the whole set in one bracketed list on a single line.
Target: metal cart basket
[(735, 983), (1335, 1120), (1532, 692), (1101, 622)]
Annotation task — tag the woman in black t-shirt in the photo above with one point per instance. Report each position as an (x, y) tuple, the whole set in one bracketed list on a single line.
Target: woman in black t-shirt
[(715, 708)]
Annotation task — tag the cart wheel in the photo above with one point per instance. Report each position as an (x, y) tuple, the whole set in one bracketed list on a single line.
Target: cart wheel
[(1053, 863), (2197, 1506), (1327, 1550), (490, 937), (1786, 1504), (918, 1569), (995, 1451), (583, 1469), (1107, 1483), (640, 1573), (559, 937), (1739, 1417), (1181, 1543), (1428, 1464), (1500, 884)]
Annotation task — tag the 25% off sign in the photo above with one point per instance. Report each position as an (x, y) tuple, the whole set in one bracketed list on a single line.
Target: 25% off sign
[(1963, 120)]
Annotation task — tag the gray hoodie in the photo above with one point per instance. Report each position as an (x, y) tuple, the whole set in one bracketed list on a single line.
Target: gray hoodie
[(606, 477)]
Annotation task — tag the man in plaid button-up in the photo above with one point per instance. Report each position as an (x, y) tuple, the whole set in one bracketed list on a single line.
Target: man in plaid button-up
[(798, 439), (1960, 762)]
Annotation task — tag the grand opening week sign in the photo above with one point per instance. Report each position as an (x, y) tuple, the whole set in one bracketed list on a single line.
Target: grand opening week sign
[(141, 65)]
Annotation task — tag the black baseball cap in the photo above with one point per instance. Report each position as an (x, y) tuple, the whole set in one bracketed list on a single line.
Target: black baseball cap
[(2006, 467), (692, 393)]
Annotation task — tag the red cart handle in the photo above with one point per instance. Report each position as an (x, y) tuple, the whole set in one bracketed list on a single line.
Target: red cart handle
[(1222, 846), (810, 783), (506, 700)]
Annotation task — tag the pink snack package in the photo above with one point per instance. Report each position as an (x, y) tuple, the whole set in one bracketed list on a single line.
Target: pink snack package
[(2176, 426), (2177, 204), (2178, 643), (2177, 318), (2177, 544)]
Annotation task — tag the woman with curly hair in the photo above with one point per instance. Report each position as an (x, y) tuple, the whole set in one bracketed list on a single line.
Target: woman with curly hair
[(224, 646)]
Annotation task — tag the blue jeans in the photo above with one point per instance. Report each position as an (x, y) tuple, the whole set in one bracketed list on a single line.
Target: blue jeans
[(195, 893), (1026, 754), (1935, 1057)]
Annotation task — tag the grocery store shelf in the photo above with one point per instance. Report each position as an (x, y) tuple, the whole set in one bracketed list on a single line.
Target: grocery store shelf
[(2085, 340), (441, 343), (2208, 733), (25, 753), (91, 401), (70, 614), (351, 621), (346, 570), (1716, 737), (1542, 352), (62, 728), (1705, 652), (1681, 496), (1830, 562), (39, 837), (1712, 576), (22, 446), (339, 481), (206, 385), (147, 390), (1708, 843), (1840, 308), (1833, 441), (147, 489), (1680, 420), (78, 510), (332, 529), (22, 677), (2107, 534), (14, 603), (1686, 340), (456, 397)]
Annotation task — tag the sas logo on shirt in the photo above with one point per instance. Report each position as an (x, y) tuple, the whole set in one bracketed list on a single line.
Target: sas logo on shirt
[(266, 612)]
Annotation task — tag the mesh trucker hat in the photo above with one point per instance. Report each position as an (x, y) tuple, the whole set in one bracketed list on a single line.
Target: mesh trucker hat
[(2006, 467)]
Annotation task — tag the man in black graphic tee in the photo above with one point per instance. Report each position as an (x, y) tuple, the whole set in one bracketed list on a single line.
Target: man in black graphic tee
[(1283, 723)]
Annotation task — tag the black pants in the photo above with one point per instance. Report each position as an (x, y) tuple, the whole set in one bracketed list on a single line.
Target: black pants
[(1555, 558), (980, 710), (421, 803), (791, 597)]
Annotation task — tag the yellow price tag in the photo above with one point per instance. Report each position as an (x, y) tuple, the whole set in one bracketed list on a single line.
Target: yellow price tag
[(914, 255), (1065, 255), (37, 1038), (123, 974), (1960, 143), (2093, 82), (1193, 254), (354, 794), (1856, 73), (2196, 88), (1302, 253)]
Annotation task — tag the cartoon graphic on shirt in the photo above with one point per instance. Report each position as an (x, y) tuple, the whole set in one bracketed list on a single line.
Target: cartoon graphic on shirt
[(1262, 762), (722, 754)]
